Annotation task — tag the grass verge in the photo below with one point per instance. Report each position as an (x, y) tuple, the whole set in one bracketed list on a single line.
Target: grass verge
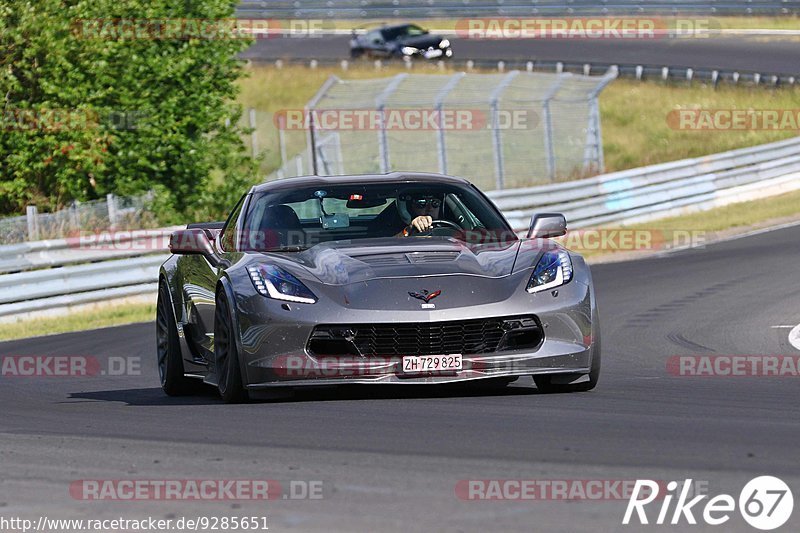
[(112, 315), (634, 115)]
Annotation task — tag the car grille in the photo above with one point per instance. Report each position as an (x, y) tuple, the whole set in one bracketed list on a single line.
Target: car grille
[(486, 335)]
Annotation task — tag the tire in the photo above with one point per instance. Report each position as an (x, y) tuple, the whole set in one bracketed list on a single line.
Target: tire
[(545, 382), (356, 53), (168, 350), (226, 354)]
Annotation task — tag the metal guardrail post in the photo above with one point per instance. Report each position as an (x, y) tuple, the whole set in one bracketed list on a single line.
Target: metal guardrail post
[(282, 139), (380, 106), (33, 223), (439, 106), (74, 219), (494, 102), (254, 133), (594, 133), (309, 115), (112, 209), (547, 118)]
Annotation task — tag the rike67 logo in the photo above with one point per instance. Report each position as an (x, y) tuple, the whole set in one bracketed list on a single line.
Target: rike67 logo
[(765, 502)]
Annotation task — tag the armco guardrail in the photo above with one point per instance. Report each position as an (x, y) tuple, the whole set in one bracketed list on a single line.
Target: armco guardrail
[(638, 71), (622, 197), (658, 191), (89, 247), (509, 8), (87, 268)]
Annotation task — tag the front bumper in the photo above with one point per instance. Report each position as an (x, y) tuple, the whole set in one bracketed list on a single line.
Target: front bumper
[(274, 340)]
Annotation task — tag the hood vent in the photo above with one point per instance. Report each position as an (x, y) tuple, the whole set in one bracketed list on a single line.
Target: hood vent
[(385, 259), (412, 257), (432, 257)]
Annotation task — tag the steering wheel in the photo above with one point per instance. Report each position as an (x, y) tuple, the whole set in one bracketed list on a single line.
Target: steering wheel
[(439, 224)]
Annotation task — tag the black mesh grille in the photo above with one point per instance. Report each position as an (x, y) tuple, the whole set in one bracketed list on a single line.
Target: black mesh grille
[(479, 336)]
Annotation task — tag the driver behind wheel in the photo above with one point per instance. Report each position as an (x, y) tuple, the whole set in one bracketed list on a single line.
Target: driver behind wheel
[(424, 210)]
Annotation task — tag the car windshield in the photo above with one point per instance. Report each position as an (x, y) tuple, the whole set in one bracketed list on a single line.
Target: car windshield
[(296, 219), (400, 32)]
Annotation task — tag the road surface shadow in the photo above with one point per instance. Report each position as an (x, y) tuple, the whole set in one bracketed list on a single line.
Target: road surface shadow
[(154, 396), (150, 396)]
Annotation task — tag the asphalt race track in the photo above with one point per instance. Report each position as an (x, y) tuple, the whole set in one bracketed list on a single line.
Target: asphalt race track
[(390, 459), (776, 56)]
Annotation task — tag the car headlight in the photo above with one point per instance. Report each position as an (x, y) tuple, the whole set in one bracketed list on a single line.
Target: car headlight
[(274, 282), (409, 50), (553, 270), (444, 44)]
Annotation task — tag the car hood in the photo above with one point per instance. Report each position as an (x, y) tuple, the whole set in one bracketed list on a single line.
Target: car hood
[(345, 262), (423, 42)]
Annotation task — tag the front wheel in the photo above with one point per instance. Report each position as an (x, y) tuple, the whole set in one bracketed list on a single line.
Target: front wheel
[(168, 350), (226, 354)]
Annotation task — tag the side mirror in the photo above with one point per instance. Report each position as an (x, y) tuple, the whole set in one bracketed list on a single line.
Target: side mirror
[(547, 225), (193, 241)]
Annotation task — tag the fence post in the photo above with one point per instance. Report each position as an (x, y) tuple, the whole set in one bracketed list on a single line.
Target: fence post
[(593, 152), (254, 133), (380, 106), (111, 202), (282, 138), (547, 119), (74, 219), (309, 114), (33, 223), (494, 101), (439, 106)]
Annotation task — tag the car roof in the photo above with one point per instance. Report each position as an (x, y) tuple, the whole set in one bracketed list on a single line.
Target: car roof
[(394, 177)]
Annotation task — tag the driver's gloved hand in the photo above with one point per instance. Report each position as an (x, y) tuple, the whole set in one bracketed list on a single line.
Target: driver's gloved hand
[(422, 223)]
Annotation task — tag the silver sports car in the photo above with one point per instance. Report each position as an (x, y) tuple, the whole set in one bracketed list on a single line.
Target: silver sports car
[(402, 278)]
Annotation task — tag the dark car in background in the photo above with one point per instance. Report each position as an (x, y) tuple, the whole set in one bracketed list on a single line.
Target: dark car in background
[(400, 41)]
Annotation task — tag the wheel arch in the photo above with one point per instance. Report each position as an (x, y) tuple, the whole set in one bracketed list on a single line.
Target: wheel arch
[(225, 286)]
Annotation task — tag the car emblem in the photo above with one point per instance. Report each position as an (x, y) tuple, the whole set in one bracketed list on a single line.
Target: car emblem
[(426, 296)]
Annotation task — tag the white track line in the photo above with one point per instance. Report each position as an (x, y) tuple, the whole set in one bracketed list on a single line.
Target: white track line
[(794, 337)]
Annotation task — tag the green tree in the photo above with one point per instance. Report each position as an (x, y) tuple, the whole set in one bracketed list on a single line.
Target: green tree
[(121, 96)]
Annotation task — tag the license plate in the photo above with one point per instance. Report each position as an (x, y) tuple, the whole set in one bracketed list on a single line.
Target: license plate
[(430, 54), (431, 363)]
